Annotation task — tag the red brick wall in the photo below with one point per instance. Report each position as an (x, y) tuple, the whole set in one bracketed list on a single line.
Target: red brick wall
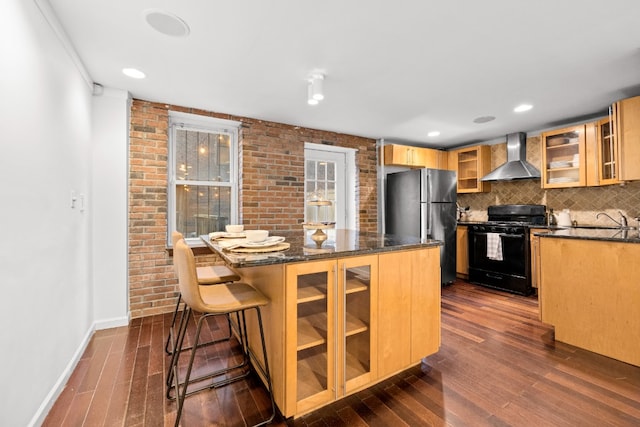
[(271, 191)]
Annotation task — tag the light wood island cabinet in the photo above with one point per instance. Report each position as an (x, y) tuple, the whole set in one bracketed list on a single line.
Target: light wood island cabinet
[(589, 291), (331, 334), (409, 287), (347, 320)]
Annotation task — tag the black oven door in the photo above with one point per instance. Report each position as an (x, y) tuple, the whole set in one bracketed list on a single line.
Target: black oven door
[(512, 272), (513, 253)]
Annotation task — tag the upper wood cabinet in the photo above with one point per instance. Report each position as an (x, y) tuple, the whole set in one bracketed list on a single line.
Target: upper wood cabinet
[(626, 114), (471, 164), (414, 157), (603, 165), (564, 157), (611, 149)]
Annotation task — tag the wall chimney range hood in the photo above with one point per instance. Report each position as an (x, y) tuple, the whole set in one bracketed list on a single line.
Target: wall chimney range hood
[(516, 166)]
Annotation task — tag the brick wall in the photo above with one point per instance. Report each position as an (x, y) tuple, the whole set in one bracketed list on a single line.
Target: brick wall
[(271, 191)]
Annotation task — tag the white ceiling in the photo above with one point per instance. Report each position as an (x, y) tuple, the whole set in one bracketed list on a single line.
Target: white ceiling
[(394, 69)]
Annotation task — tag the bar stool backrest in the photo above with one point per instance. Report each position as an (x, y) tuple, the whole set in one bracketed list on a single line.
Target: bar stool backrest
[(176, 236), (187, 276)]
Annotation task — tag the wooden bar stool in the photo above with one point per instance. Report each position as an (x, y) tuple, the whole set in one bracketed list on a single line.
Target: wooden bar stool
[(209, 275), (224, 299)]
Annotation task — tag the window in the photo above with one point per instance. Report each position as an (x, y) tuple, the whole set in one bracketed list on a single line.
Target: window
[(203, 171)]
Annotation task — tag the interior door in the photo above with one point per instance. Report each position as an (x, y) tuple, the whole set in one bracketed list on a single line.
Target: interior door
[(328, 174)]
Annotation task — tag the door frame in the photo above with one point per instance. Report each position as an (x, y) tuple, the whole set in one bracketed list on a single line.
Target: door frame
[(346, 180)]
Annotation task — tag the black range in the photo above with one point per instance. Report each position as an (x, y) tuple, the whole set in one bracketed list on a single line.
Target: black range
[(499, 254)]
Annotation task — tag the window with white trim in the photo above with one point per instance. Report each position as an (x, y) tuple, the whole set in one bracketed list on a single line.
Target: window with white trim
[(203, 174)]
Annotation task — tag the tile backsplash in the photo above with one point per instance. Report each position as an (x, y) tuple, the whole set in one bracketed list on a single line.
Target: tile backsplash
[(584, 203)]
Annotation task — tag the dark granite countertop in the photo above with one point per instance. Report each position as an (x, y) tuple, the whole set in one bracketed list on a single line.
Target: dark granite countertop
[(605, 234), (340, 243)]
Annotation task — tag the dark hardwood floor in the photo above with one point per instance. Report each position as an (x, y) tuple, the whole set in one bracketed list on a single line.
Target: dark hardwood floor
[(498, 366)]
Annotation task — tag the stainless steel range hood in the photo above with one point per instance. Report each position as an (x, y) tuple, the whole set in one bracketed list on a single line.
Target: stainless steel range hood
[(517, 166)]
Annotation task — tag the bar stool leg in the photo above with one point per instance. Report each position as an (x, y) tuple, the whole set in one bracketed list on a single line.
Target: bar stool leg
[(266, 371), (173, 364), (182, 387), (173, 322), (170, 346)]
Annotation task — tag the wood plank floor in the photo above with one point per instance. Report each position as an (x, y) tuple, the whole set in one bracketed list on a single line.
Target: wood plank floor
[(498, 366)]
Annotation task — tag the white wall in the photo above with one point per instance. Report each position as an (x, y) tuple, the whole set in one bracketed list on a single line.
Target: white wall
[(108, 204), (46, 250)]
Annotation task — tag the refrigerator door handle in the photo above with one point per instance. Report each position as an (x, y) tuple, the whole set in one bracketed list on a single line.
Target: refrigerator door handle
[(425, 230)]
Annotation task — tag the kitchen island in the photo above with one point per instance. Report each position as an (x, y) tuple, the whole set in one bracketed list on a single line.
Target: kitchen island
[(344, 316), (589, 289)]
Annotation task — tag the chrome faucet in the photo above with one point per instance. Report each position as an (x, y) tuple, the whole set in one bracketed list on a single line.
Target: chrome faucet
[(623, 219)]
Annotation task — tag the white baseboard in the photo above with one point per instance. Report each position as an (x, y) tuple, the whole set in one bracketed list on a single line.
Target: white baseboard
[(114, 322), (56, 390), (50, 399)]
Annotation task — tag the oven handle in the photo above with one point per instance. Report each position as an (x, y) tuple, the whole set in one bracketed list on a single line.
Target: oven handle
[(500, 234)]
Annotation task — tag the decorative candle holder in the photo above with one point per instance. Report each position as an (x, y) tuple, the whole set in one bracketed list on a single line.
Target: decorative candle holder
[(319, 236)]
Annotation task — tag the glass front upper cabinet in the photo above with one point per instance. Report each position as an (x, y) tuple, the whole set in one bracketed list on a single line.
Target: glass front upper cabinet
[(607, 158), (563, 157)]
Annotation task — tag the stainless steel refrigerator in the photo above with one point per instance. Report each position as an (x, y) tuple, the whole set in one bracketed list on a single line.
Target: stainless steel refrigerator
[(422, 203)]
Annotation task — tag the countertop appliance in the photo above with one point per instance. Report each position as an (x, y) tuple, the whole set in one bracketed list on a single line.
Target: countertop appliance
[(422, 203), (499, 255)]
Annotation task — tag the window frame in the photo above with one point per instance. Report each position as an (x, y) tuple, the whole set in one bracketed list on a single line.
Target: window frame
[(186, 121)]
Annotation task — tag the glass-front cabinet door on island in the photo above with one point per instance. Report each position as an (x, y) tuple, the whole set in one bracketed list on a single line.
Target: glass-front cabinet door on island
[(357, 290), (329, 329)]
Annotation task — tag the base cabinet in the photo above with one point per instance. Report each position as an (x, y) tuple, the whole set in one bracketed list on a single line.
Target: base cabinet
[(353, 321), (462, 252), (534, 242), (331, 330), (408, 308), (589, 292)]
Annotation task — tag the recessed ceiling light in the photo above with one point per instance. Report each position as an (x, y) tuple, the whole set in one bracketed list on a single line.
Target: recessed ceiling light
[(133, 73), (434, 133), (483, 119), (522, 108), (166, 23)]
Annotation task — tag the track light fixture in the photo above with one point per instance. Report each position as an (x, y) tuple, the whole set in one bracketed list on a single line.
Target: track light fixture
[(314, 90)]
